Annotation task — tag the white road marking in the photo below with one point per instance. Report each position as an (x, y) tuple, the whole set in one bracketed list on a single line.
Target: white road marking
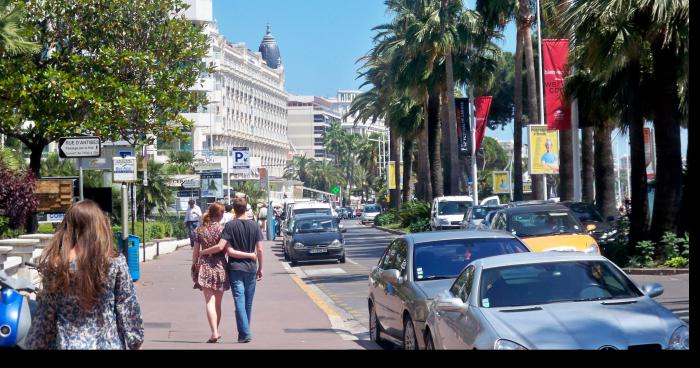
[(325, 272)]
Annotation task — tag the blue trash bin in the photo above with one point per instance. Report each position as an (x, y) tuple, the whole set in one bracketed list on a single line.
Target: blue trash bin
[(134, 243)]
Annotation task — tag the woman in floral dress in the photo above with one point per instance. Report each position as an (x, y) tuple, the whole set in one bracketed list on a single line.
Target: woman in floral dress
[(212, 277), (88, 300)]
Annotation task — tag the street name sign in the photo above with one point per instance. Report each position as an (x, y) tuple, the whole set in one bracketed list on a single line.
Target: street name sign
[(79, 147), (124, 169)]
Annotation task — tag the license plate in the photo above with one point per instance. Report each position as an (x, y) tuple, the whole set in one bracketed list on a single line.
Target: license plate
[(318, 250)]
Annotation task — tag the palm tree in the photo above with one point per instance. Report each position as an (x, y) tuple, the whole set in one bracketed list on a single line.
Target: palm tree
[(299, 168), (157, 193), (11, 159), (180, 163), (12, 40), (54, 166)]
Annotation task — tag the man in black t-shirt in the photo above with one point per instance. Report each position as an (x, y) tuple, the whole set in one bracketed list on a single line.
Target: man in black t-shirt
[(242, 240)]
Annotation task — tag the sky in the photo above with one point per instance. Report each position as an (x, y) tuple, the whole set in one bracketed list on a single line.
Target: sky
[(320, 42)]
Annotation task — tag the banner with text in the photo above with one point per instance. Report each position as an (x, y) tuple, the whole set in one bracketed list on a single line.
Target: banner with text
[(482, 105), (501, 182), (464, 140), (558, 110), (649, 153)]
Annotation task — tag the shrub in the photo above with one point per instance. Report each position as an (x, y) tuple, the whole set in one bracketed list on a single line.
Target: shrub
[(46, 229), (388, 217), (676, 262), (156, 230), (17, 196), (413, 212), (669, 245), (420, 226), (646, 251)]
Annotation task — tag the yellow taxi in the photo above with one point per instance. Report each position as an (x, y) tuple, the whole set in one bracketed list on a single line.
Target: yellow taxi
[(549, 227)]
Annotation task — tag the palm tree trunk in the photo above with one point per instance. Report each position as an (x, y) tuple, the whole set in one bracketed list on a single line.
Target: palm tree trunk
[(407, 168), (526, 22), (455, 171), (444, 147), (395, 194), (587, 176), (639, 216), (518, 121), (566, 166), (423, 187), (669, 164), (605, 171), (434, 143)]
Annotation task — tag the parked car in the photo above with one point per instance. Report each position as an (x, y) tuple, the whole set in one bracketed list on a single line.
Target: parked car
[(474, 217), (550, 227), (414, 268), (551, 301), (529, 203), (369, 213), (447, 212), (588, 215), (315, 237), (342, 213), (350, 212)]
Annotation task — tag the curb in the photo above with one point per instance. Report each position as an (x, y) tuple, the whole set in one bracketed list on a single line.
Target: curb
[(396, 232), (656, 271)]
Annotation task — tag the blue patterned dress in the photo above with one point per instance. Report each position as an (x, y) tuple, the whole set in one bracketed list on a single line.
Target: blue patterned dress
[(113, 323)]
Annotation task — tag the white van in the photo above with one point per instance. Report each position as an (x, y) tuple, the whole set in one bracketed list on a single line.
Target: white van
[(448, 212)]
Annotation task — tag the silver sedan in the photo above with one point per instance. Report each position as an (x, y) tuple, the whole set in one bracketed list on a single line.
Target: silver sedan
[(551, 301), (417, 267)]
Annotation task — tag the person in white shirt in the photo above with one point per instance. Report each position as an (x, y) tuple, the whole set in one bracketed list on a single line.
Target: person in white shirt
[(262, 220), (192, 217), (228, 216)]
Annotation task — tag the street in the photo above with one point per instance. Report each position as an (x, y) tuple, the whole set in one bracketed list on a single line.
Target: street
[(346, 285)]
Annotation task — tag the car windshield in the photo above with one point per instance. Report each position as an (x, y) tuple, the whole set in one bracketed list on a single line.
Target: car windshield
[(445, 259), (586, 212), (542, 223), (315, 226), (555, 282), (320, 211), (453, 208), (372, 209), (479, 213)]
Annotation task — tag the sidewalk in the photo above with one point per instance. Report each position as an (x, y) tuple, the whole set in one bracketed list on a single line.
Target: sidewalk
[(284, 317)]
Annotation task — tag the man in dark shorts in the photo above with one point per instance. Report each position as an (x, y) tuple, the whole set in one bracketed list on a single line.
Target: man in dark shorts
[(244, 236)]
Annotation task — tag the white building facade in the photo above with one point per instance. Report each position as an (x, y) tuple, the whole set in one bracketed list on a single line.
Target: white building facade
[(247, 99)]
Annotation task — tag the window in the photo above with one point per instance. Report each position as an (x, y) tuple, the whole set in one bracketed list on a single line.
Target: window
[(462, 287), (319, 141), (388, 258), (401, 259), (453, 208), (319, 118)]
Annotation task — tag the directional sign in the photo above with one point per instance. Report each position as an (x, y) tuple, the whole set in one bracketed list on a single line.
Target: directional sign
[(241, 162), (336, 190), (124, 169), (79, 147)]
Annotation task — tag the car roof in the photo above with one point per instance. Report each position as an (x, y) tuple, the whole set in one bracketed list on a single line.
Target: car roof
[(303, 205), (534, 258), (536, 208), (530, 203), (313, 216), (457, 234), (454, 198)]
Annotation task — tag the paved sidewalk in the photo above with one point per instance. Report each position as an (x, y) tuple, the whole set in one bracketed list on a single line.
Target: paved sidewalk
[(284, 317)]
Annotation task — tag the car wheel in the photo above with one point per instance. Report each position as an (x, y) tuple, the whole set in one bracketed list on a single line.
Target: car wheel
[(429, 344), (342, 258), (375, 328), (409, 335)]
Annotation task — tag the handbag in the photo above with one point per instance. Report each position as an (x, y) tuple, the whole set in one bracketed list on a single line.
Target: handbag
[(194, 271)]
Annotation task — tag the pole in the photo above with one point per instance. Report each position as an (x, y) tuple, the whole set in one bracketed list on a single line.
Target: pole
[(472, 124), (541, 89), (145, 184), (125, 218), (228, 173), (80, 164)]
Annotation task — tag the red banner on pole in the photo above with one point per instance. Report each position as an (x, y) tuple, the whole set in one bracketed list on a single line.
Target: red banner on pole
[(482, 105), (558, 110)]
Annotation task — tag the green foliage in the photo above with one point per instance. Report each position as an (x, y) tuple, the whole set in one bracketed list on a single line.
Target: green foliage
[(12, 158), (12, 36), (646, 253), (389, 217), (252, 191), (46, 229), (677, 262), (413, 212), (157, 193), (420, 226), (156, 230), (670, 244)]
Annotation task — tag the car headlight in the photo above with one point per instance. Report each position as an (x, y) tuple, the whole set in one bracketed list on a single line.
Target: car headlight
[(298, 245), (592, 249), (680, 340), (507, 345), (336, 244)]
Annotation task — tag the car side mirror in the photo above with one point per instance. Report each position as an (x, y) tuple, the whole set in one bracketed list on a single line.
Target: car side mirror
[(652, 290), (611, 218), (391, 276), (451, 305), (590, 227)]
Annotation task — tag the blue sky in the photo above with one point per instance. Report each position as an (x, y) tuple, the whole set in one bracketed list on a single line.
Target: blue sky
[(321, 40)]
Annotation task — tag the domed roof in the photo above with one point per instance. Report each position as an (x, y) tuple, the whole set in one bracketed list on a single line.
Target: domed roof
[(270, 51)]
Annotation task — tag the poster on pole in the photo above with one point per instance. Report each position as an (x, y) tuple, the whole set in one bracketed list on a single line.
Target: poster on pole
[(482, 106), (543, 149), (264, 179), (555, 53), (240, 160), (212, 180), (392, 176), (464, 139), (124, 169), (649, 153), (501, 182)]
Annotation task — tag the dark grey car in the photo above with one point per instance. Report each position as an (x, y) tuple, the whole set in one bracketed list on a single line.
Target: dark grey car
[(414, 269)]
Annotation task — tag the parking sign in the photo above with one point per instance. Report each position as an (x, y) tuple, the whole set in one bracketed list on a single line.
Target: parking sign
[(241, 160)]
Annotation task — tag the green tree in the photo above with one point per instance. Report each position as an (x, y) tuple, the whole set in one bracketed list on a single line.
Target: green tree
[(180, 163), (13, 39), (157, 194), (112, 68)]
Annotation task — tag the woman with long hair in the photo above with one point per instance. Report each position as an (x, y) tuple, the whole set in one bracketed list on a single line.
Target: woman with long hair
[(88, 300)]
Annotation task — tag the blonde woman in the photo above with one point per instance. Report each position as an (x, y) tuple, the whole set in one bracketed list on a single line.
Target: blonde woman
[(88, 300)]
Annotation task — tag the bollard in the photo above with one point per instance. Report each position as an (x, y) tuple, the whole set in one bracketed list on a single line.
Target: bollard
[(23, 248)]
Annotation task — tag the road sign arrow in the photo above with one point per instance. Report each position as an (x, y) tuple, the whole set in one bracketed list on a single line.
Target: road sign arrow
[(79, 147)]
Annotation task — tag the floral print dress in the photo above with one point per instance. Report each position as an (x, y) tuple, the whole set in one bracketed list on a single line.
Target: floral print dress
[(212, 268), (113, 323)]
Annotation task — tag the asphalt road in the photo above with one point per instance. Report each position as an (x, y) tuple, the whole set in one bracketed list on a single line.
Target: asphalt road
[(346, 284)]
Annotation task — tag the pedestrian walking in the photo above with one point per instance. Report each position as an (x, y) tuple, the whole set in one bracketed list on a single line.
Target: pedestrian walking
[(88, 300), (242, 241), (262, 219), (228, 214), (211, 276), (192, 217)]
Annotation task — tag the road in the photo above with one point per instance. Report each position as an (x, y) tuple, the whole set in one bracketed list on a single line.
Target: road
[(346, 284)]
